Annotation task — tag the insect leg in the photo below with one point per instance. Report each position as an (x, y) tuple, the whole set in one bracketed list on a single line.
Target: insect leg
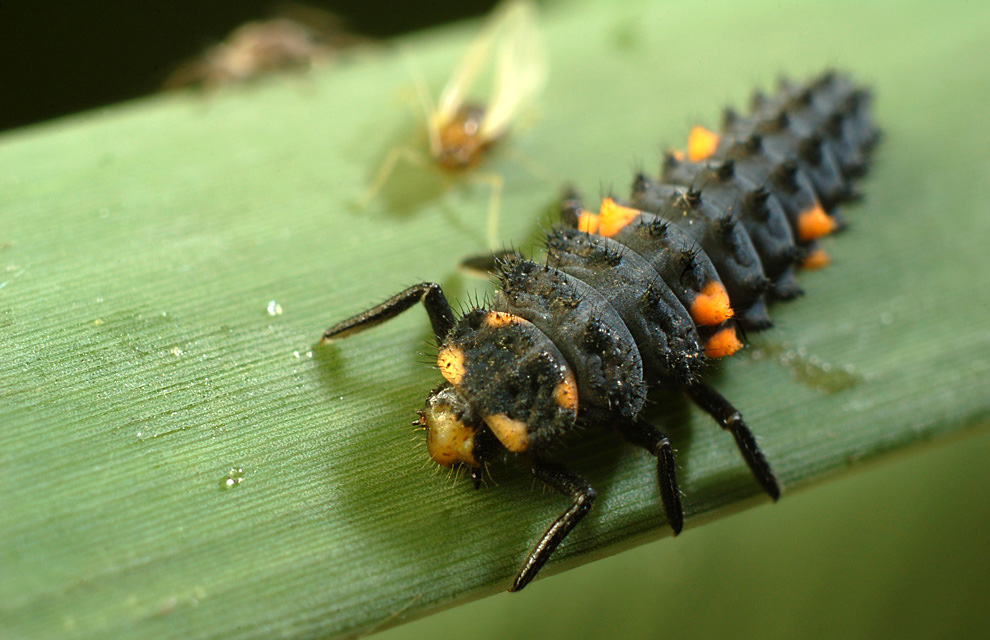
[(655, 441), (715, 405), (494, 181), (483, 265), (570, 484), (409, 154), (429, 293)]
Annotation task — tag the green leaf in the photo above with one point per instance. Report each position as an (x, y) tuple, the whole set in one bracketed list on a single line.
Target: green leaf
[(179, 460)]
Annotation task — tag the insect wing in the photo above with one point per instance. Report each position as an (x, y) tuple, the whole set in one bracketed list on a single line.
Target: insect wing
[(520, 69)]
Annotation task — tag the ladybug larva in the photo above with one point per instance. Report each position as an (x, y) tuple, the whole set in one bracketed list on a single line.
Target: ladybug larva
[(642, 293)]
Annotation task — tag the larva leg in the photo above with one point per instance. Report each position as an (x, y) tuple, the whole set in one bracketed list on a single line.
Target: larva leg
[(653, 440), (429, 293), (715, 405), (572, 485)]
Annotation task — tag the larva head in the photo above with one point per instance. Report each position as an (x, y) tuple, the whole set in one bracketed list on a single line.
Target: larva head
[(508, 387)]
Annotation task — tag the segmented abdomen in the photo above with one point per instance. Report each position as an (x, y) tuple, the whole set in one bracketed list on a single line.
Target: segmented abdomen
[(646, 289)]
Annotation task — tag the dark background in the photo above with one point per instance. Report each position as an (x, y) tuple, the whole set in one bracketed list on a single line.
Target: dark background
[(61, 57)]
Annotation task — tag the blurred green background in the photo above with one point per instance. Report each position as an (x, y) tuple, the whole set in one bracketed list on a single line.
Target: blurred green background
[(62, 57), (897, 549)]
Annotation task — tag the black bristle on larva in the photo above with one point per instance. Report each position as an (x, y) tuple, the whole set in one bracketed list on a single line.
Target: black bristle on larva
[(833, 126), (780, 122), (755, 205), (729, 117), (645, 292), (724, 169), (758, 100), (753, 143), (810, 149), (784, 176), (690, 199)]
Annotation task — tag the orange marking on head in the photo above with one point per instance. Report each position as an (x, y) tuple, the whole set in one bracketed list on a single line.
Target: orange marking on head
[(814, 223), (711, 306), (588, 222), (701, 143), (723, 343), (613, 217), (565, 393), (450, 360), (496, 319), (678, 154), (816, 260), (513, 434)]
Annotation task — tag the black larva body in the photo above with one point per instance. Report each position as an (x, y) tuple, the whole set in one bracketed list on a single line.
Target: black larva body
[(667, 339), (718, 233), (641, 294)]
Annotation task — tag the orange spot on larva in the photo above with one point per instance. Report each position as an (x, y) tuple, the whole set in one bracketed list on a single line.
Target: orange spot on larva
[(513, 434), (497, 319), (701, 143), (814, 223), (816, 260), (450, 360), (565, 393), (588, 222), (711, 306), (723, 343), (613, 217)]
